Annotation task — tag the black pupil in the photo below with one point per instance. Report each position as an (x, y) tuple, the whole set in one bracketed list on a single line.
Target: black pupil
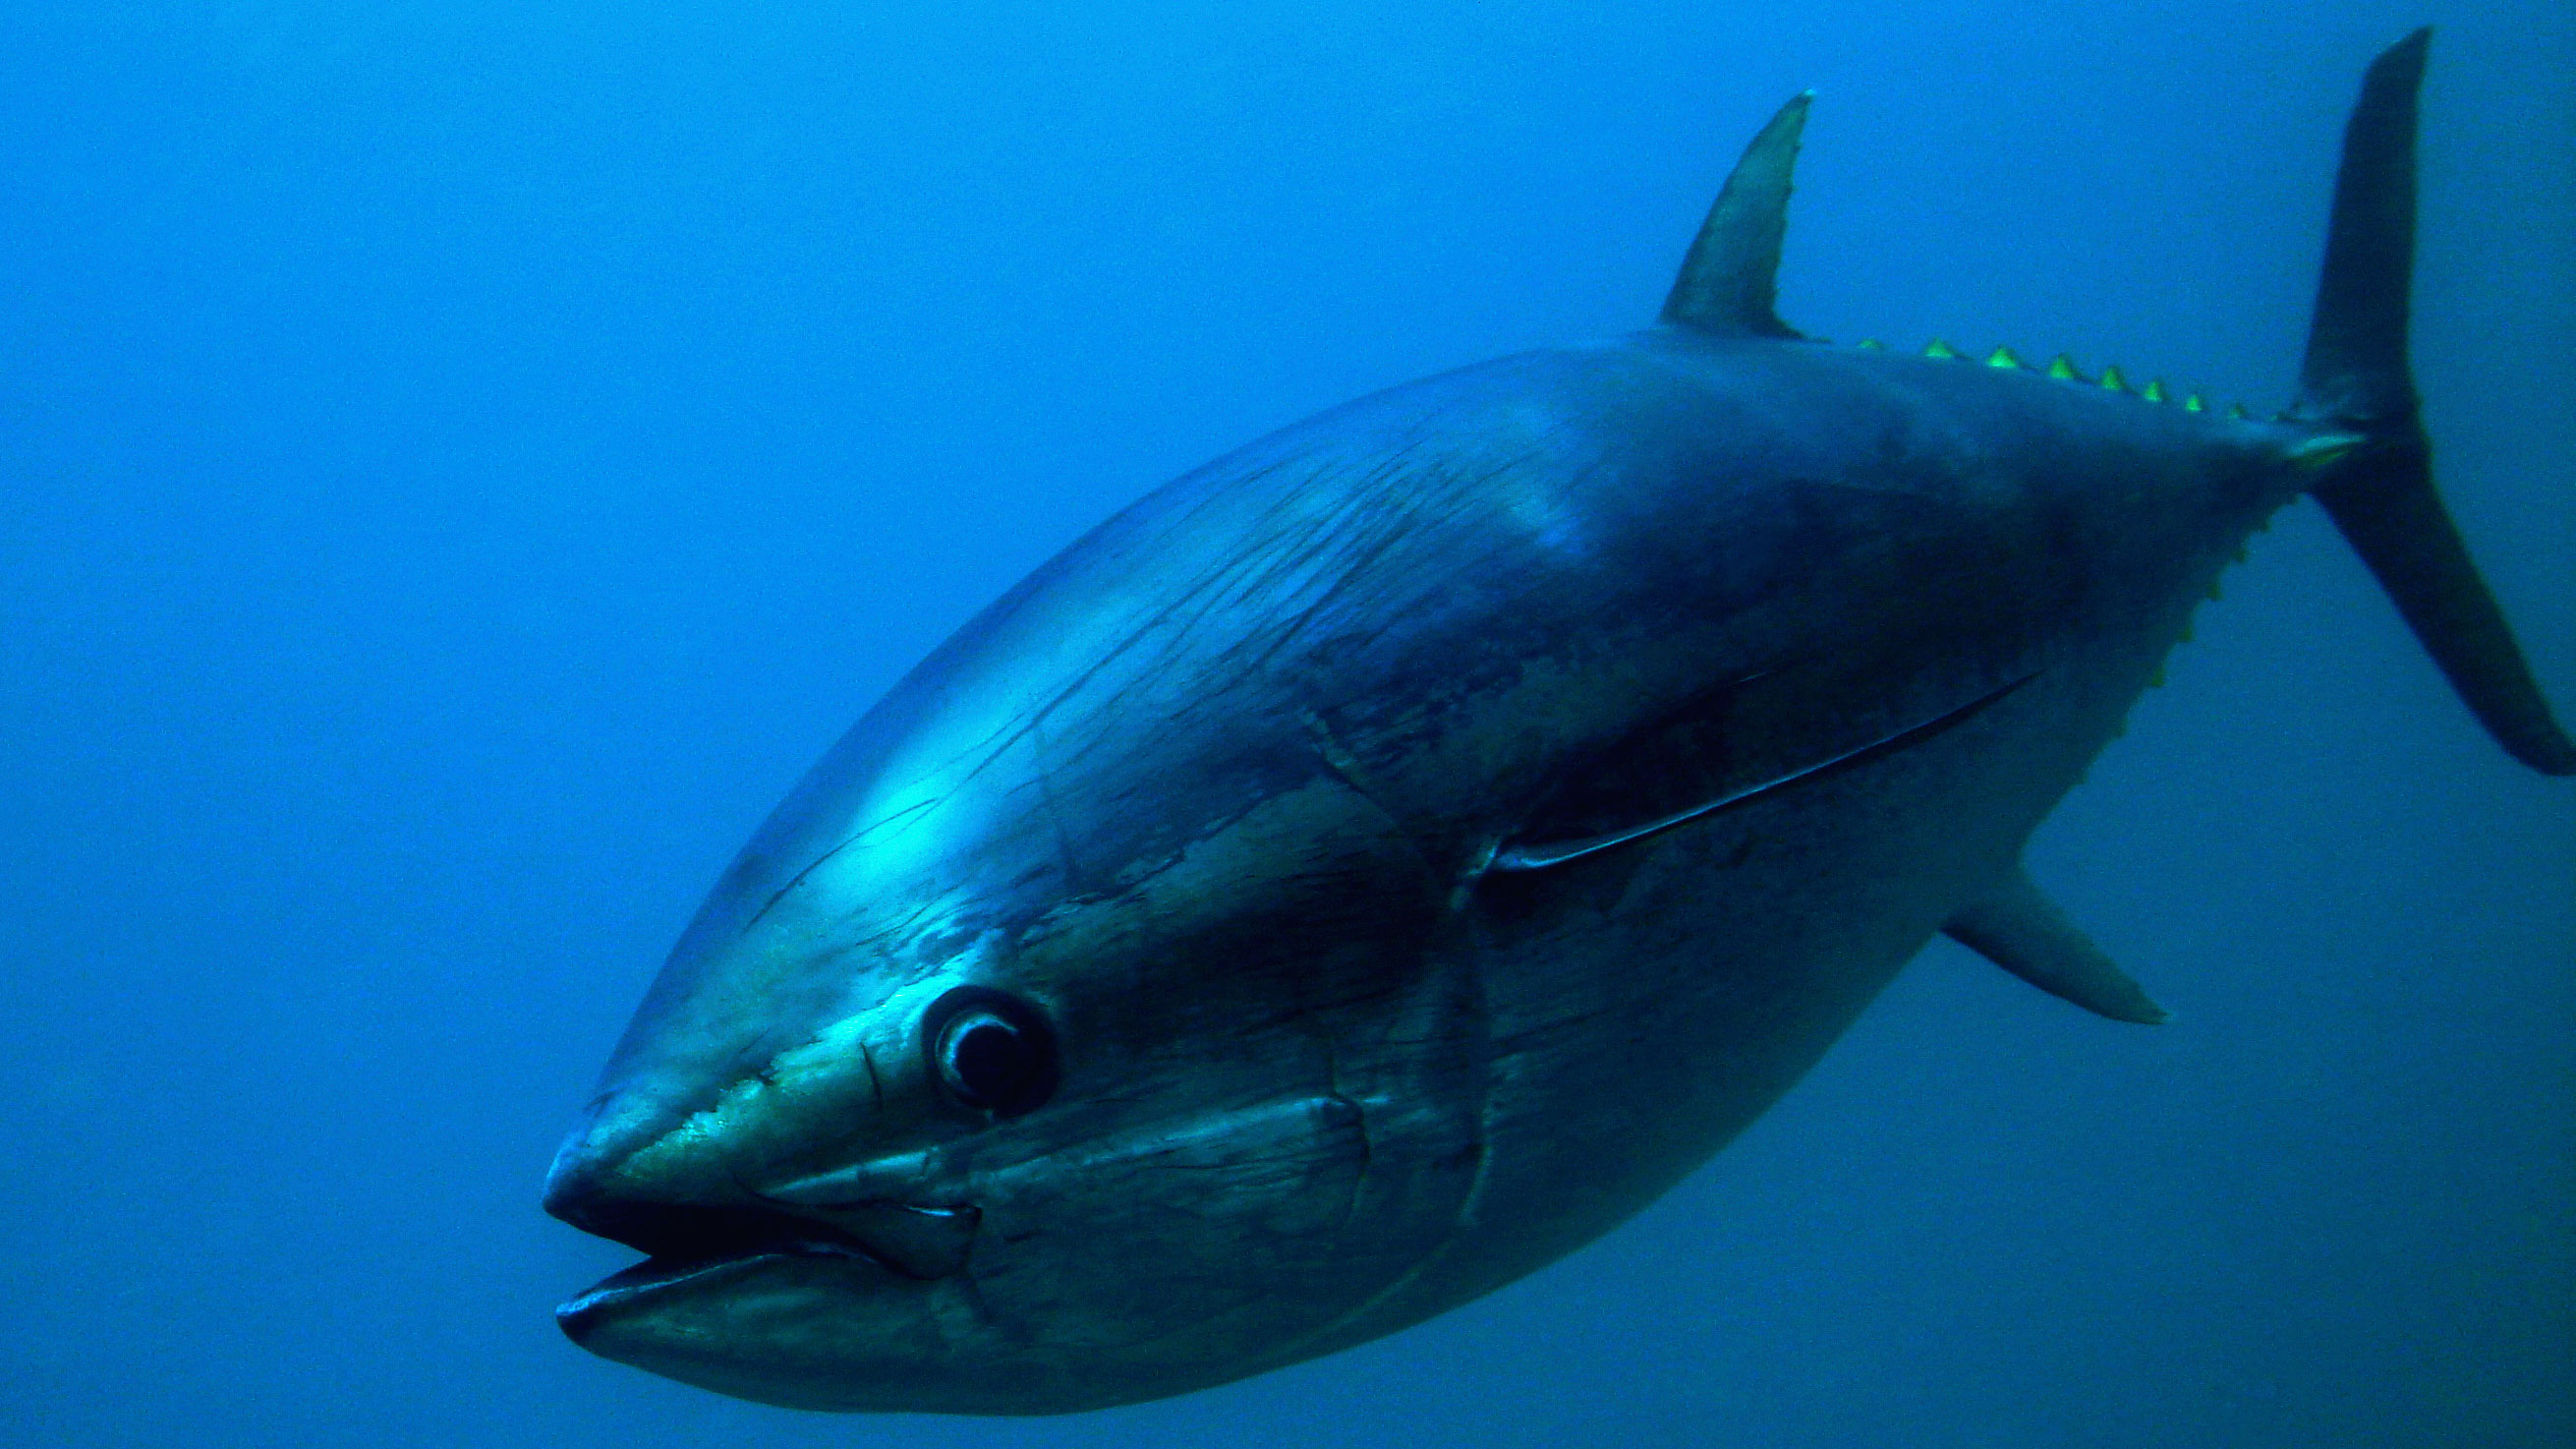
[(988, 1059)]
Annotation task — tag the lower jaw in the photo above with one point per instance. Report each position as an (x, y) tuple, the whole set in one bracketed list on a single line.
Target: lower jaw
[(665, 1277), (839, 1333), (818, 1331)]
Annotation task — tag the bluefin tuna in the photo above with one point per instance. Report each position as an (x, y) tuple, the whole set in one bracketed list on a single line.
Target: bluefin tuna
[(1380, 861)]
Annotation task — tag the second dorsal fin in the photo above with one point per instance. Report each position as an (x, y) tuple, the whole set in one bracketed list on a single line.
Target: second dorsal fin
[(1729, 281)]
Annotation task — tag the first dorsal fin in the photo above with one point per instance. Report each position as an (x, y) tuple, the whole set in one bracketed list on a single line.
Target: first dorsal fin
[(1729, 282)]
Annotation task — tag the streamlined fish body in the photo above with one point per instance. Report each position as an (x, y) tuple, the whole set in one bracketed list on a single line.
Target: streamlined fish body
[(1380, 861)]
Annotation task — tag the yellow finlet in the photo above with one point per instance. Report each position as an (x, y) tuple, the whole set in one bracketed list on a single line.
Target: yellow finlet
[(2062, 367), (2195, 404), (2155, 390), (1872, 344), (2213, 590), (2003, 357), (1938, 348), (2236, 412), (2185, 636), (2112, 381), (2157, 679)]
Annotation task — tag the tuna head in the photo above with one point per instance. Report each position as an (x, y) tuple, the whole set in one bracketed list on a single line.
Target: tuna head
[(993, 1079)]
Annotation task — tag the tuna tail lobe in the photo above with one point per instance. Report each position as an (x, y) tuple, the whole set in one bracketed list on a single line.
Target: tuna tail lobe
[(2356, 380)]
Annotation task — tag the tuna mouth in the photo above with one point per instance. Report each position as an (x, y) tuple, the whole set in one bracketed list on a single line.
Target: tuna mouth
[(695, 1248), (693, 1245), (672, 1270), (682, 1243)]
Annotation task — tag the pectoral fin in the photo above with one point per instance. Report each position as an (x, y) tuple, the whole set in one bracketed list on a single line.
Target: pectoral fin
[(2025, 933)]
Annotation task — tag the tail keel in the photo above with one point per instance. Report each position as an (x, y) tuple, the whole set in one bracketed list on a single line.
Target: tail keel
[(2356, 378)]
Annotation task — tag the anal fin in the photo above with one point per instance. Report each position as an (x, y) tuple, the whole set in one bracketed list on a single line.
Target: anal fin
[(2025, 933)]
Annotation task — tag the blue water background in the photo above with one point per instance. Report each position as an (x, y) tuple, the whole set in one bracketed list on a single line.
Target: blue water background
[(459, 464)]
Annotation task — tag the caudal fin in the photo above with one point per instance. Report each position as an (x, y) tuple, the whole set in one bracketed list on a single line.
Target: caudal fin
[(2356, 378)]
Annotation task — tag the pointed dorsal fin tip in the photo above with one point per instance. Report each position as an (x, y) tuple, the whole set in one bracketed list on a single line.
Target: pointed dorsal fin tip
[(1730, 279)]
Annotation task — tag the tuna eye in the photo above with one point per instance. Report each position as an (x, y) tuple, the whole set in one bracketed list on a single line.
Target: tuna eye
[(991, 1051)]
